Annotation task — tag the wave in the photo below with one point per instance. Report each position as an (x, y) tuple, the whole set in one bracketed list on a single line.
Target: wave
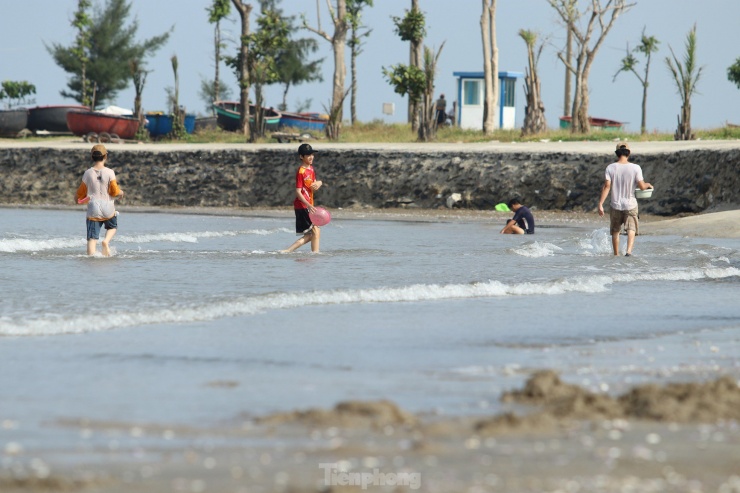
[(15, 245), (537, 249), (20, 245), (243, 306)]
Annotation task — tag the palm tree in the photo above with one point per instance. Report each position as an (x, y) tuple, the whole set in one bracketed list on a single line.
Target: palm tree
[(648, 46), (686, 75), (534, 113)]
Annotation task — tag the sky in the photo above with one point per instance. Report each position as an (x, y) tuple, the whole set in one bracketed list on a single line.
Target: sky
[(28, 26)]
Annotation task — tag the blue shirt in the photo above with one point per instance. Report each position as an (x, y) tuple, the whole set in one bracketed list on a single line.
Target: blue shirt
[(524, 219)]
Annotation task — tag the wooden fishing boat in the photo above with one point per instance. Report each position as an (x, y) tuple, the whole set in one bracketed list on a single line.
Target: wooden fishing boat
[(228, 115), (160, 125), (13, 121), (596, 123), (313, 122), (51, 118), (83, 123)]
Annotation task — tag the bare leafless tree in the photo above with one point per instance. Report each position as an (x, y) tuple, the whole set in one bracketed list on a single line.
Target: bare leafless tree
[(599, 16), (338, 42)]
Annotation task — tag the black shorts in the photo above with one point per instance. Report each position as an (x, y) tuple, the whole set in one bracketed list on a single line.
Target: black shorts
[(303, 224)]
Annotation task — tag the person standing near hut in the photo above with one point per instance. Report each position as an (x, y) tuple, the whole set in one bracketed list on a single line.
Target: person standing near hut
[(441, 107)]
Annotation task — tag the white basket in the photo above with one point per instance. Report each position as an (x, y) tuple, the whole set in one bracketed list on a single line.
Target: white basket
[(643, 194)]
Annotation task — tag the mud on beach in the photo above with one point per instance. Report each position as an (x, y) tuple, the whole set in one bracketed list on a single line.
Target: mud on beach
[(557, 437)]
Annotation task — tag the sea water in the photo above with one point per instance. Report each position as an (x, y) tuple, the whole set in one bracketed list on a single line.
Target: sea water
[(198, 319)]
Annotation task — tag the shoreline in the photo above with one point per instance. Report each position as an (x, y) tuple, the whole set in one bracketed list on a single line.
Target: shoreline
[(722, 224)]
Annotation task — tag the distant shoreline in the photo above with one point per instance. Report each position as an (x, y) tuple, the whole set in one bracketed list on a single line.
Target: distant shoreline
[(724, 224)]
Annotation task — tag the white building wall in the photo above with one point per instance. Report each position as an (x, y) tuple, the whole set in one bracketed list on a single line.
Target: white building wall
[(509, 117)]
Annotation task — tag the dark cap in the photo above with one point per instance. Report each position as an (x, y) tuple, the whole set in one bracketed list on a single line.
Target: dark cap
[(305, 150)]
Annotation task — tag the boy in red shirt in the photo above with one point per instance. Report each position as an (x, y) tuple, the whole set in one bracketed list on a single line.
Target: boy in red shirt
[(305, 186)]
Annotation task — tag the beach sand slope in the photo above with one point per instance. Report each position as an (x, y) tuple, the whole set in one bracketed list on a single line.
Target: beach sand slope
[(724, 224)]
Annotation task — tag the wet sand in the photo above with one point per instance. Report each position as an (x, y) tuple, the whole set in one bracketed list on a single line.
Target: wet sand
[(724, 224), (557, 438)]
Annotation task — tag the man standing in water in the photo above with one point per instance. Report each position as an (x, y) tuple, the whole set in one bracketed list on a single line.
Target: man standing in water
[(98, 188), (621, 179), (305, 186)]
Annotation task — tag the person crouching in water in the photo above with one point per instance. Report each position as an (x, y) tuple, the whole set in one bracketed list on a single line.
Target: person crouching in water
[(305, 186), (98, 188), (522, 222)]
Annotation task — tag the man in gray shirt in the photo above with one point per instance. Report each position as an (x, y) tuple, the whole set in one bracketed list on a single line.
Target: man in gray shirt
[(622, 177)]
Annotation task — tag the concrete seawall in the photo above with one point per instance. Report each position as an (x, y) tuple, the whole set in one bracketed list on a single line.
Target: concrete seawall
[(686, 180)]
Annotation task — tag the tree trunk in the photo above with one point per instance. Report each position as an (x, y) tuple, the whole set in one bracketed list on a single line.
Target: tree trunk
[(353, 68), (577, 123), (534, 113), (568, 75), (643, 123), (258, 122), (415, 60), (338, 42), (427, 130), (284, 106), (490, 66), (85, 99), (217, 41), (683, 132), (244, 11)]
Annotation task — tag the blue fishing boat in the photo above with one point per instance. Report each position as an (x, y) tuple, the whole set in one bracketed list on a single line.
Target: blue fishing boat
[(312, 122), (228, 115)]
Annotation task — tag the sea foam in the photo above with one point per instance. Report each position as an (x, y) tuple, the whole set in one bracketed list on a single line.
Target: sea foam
[(21, 245), (244, 306)]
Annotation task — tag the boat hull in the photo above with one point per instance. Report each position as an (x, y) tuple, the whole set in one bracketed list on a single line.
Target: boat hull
[(205, 123), (13, 121), (312, 122), (596, 123), (161, 125), (228, 116), (86, 122), (51, 118)]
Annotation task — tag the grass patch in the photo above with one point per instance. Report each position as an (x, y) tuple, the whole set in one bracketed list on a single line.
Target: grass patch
[(381, 132)]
